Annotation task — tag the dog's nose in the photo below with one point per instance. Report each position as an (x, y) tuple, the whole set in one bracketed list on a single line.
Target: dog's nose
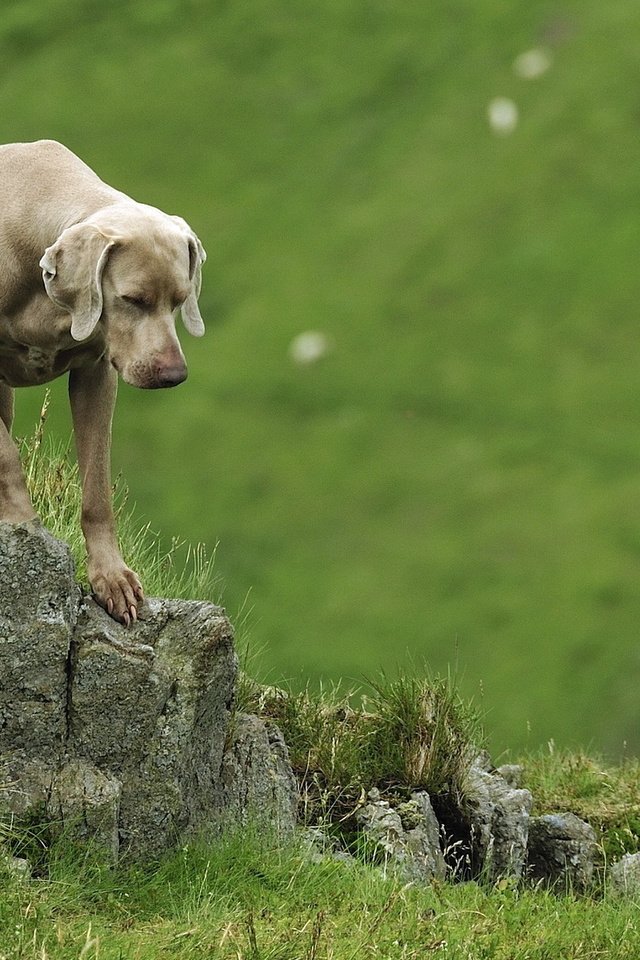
[(171, 376)]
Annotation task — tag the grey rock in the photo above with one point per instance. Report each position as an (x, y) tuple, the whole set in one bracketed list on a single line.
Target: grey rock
[(512, 773), (315, 844), (150, 706), (498, 816), (70, 796), (25, 787), (38, 609), (380, 822), (624, 877), (482, 761), (257, 779), (563, 850), (422, 836), (86, 804), (413, 851)]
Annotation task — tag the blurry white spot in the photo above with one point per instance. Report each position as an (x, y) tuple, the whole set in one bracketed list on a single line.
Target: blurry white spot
[(503, 116), (532, 63), (309, 347)]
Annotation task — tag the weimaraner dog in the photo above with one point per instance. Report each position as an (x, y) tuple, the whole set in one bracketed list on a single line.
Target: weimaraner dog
[(90, 283)]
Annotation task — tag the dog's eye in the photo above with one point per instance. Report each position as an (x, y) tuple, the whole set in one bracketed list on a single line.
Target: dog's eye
[(134, 301), (177, 302)]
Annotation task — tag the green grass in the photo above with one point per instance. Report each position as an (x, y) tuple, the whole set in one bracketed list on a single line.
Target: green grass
[(459, 477), (247, 899)]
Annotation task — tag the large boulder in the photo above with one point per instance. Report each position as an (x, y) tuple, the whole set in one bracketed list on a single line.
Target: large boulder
[(87, 802), (122, 735)]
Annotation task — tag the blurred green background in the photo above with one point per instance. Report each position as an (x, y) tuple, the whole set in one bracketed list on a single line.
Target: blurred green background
[(456, 480)]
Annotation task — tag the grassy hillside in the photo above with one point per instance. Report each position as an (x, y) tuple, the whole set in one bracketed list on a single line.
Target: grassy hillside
[(459, 478)]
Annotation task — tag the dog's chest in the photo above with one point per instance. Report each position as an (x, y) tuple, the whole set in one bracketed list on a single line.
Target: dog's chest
[(26, 365), (35, 348), (22, 366), (38, 363)]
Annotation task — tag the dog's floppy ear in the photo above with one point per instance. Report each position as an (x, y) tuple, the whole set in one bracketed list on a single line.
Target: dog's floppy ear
[(191, 317), (72, 269)]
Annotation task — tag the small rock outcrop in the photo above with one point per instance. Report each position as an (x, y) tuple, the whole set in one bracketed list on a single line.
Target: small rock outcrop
[(123, 735), (498, 815), (563, 850), (405, 837)]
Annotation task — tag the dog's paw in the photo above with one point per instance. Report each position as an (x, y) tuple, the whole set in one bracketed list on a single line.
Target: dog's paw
[(120, 593)]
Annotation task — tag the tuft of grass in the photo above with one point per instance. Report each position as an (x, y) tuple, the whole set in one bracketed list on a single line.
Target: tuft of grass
[(179, 570), (406, 734), (425, 735)]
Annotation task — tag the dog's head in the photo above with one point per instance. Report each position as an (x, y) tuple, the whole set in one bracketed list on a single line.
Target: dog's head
[(123, 273)]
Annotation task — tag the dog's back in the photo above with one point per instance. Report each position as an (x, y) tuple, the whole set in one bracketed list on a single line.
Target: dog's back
[(44, 188)]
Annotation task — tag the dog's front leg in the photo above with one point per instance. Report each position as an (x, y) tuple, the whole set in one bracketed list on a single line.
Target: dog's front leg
[(92, 392), (15, 505)]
